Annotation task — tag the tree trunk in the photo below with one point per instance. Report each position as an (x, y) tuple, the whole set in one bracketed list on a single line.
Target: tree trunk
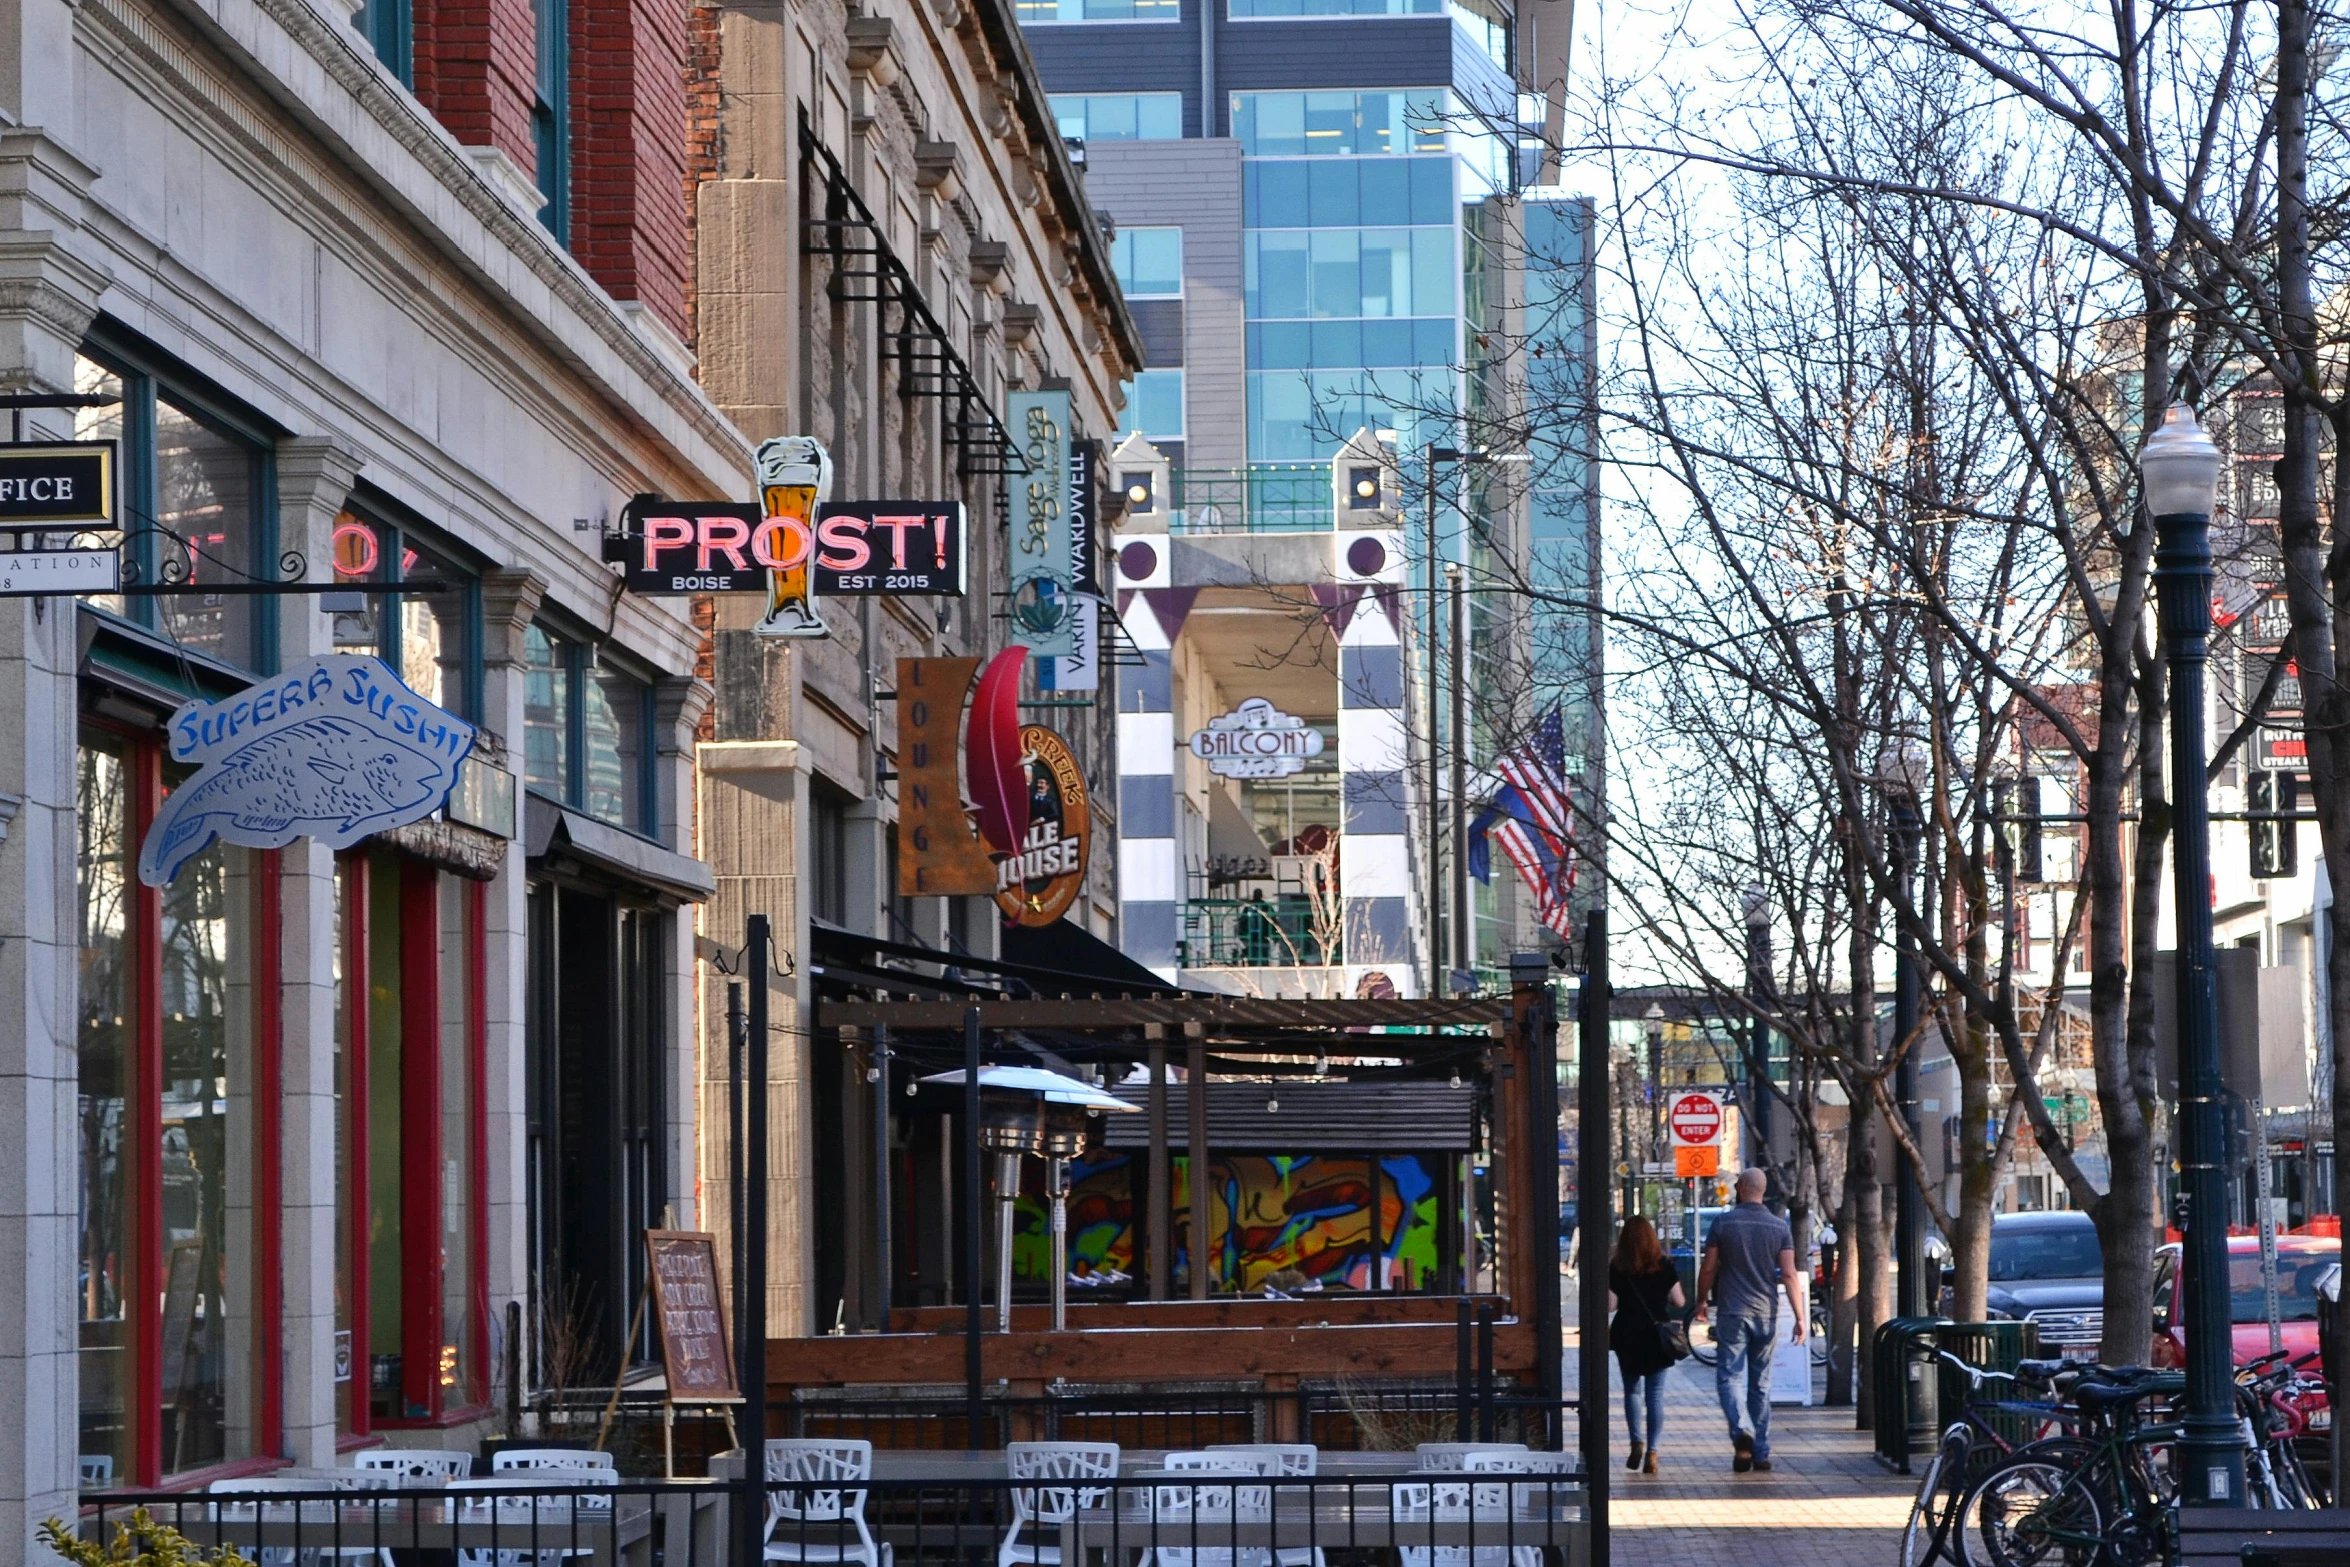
[(1844, 1299), (1873, 1236)]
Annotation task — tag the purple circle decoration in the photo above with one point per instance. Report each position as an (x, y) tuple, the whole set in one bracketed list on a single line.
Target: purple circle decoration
[(1137, 560), (1366, 556)]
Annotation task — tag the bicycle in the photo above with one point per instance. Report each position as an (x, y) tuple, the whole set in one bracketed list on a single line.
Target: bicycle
[(2101, 1499), (1971, 1444)]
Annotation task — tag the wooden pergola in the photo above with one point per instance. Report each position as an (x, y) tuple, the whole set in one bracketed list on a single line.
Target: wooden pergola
[(1505, 1043)]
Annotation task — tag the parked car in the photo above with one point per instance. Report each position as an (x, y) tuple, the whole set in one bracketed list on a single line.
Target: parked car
[(2048, 1268), (2302, 1260)]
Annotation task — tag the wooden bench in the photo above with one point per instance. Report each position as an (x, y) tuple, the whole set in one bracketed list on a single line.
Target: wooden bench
[(2248, 1537)]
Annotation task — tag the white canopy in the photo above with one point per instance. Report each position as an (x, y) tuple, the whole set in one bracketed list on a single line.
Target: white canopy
[(1036, 1080)]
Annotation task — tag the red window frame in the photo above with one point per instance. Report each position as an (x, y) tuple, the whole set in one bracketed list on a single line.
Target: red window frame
[(421, 1145), (143, 756)]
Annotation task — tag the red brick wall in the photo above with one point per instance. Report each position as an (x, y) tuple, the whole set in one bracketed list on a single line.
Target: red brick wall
[(628, 151), (477, 70), (701, 141)]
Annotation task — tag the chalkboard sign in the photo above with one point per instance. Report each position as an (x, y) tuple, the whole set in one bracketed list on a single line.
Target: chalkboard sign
[(696, 1352)]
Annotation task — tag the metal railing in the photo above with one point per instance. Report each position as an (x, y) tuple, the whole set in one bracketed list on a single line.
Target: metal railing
[(1255, 933), (1235, 1520), (1265, 498)]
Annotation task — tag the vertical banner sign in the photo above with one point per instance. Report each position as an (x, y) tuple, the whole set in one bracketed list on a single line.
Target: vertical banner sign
[(795, 477), (939, 855), (1080, 670), (1043, 588)]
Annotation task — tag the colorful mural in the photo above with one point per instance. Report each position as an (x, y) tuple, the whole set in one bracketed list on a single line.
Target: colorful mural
[(1310, 1214)]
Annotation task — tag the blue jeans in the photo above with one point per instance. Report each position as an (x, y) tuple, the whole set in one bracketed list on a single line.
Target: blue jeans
[(1744, 1347), (1649, 1390)]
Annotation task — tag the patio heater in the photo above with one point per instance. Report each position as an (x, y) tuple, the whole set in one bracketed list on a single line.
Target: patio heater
[(1027, 1111)]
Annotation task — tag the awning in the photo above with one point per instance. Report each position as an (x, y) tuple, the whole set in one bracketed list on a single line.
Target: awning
[(1071, 950), (1305, 1117), (557, 832)]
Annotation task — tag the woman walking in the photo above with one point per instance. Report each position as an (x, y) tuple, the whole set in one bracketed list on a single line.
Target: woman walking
[(1644, 1293)]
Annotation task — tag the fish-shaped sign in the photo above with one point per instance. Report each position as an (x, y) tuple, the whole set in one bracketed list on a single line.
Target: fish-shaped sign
[(333, 749)]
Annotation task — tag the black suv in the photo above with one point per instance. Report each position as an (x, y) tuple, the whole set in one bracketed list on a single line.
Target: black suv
[(2048, 1268)]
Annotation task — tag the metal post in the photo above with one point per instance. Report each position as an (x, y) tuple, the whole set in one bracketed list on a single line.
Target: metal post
[(1195, 1157), (973, 1409), (1592, 1142), (757, 975), (1912, 1299), (2209, 1451), (1758, 1050), (884, 1258), (1434, 830), (1463, 943), (1162, 1202), (1057, 1185)]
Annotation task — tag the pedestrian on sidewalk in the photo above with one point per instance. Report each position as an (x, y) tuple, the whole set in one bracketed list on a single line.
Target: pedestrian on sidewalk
[(1644, 1293), (1749, 1255)]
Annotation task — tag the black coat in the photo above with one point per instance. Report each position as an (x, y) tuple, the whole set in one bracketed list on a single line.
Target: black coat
[(1642, 1302)]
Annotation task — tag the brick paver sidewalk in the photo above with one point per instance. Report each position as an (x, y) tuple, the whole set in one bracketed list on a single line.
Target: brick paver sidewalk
[(1826, 1503)]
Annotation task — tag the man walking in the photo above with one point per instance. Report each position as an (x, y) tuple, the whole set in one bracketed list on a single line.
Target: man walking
[(1749, 1255)]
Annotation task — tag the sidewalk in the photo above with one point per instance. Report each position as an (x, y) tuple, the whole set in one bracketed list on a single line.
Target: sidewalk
[(1826, 1503)]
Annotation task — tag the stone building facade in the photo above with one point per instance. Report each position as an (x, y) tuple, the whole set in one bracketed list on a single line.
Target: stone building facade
[(892, 240), (308, 1149)]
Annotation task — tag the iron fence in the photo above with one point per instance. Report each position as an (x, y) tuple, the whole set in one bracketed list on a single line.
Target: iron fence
[(1505, 1518)]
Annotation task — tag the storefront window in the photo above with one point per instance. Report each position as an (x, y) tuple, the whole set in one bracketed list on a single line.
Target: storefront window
[(178, 1371), (615, 732), (546, 713), (107, 1257), (436, 643), (204, 514), (410, 998), (193, 502)]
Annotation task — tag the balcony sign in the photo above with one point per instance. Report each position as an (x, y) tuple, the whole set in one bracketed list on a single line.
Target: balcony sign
[(1036, 886), (333, 749), (1256, 740)]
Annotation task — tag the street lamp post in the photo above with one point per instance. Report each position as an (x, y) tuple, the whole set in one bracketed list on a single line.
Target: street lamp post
[(2180, 467), (1912, 1299), (1758, 1052), (1435, 825), (1463, 945), (1654, 1017)]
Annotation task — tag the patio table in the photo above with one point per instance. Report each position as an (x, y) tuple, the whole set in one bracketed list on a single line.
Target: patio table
[(1334, 1525), (623, 1537)]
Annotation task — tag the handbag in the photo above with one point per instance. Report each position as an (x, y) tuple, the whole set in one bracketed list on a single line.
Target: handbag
[(1672, 1334)]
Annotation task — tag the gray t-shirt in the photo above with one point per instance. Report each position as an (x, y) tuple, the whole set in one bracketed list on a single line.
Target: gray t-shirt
[(1749, 1239)]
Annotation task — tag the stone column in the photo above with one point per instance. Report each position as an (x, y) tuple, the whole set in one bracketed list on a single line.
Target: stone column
[(1375, 857), (314, 478), (680, 701), (49, 291), (509, 599)]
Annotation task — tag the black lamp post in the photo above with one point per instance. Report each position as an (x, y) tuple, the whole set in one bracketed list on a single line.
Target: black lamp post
[(2180, 467), (1912, 1298)]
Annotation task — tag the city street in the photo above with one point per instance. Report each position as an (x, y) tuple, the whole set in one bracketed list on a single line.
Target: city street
[(1826, 1502)]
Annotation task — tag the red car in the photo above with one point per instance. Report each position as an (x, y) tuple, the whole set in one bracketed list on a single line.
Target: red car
[(2301, 1261)]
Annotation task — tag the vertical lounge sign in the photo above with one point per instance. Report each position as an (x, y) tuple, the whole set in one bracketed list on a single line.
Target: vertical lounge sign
[(1044, 589), (938, 853)]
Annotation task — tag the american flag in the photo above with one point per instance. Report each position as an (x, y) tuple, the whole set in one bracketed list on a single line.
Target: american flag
[(1532, 818)]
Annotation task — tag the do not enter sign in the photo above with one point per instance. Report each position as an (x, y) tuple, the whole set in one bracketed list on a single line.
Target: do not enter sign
[(1696, 1120)]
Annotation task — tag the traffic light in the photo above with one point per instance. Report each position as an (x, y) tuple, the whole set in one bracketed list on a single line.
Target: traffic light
[(2276, 840)]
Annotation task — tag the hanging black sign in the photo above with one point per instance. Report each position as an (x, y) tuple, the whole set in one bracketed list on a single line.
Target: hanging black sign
[(65, 482), (667, 548), (890, 547)]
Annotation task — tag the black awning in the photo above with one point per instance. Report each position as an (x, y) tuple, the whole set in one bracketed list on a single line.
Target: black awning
[(1076, 953)]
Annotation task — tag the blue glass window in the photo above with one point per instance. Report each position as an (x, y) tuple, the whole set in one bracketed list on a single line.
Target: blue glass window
[(1035, 11), (1133, 116), (1323, 124), (1149, 262), (1154, 405)]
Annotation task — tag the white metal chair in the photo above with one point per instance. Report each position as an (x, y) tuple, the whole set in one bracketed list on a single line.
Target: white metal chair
[(1191, 1503), (314, 1512), (515, 1502), (1521, 1502), (552, 1458), (1049, 1507), (423, 1463), (1292, 1458), (1446, 1457), (804, 1479), (96, 1471)]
